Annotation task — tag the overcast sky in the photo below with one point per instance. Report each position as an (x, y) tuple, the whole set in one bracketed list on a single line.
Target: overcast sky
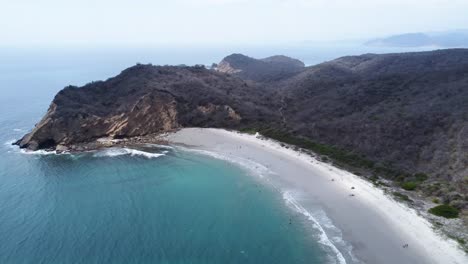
[(236, 22)]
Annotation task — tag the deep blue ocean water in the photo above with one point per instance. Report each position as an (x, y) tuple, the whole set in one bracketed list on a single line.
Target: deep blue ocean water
[(180, 207)]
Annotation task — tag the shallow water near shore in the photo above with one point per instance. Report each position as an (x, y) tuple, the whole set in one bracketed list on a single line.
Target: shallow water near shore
[(146, 205), (175, 208)]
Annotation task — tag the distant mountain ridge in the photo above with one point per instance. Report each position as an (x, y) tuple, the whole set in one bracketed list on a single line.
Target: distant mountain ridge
[(268, 69), (446, 39)]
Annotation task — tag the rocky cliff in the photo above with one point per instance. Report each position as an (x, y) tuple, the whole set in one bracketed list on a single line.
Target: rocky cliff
[(145, 100)]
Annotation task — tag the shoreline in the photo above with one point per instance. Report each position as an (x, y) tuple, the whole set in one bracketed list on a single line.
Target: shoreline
[(375, 225), (100, 144)]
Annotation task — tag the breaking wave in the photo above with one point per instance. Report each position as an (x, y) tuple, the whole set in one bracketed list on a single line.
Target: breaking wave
[(319, 221), (252, 166), (114, 152), (15, 148)]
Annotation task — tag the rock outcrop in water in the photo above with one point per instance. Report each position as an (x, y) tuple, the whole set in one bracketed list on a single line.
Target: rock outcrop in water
[(408, 111)]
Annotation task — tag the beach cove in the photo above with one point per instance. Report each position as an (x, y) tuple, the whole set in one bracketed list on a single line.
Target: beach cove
[(359, 220)]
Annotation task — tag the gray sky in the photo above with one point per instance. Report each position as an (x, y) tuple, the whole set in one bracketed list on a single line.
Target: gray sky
[(236, 22)]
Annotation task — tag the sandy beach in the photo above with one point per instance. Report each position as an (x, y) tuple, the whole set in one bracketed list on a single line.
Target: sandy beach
[(363, 222)]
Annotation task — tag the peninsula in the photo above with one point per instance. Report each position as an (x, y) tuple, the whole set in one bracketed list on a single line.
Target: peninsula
[(397, 118)]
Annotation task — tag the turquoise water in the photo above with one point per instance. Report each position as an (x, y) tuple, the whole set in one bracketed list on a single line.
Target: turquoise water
[(180, 207), (177, 208)]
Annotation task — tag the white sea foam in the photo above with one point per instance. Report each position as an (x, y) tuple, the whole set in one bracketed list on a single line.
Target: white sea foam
[(114, 152), (262, 171), (10, 143), (323, 237), (18, 130), (159, 146), (42, 152), (252, 166), (105, 140)]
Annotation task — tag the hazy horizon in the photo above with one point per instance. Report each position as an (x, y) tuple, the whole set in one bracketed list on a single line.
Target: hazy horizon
[(220, 22)]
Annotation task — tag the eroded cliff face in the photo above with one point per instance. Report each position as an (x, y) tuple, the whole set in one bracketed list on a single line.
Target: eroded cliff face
[(145, 100)]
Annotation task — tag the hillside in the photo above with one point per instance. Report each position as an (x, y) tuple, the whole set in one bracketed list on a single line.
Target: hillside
[(145, 100), (269, 69), (407, 112), (391, 115)]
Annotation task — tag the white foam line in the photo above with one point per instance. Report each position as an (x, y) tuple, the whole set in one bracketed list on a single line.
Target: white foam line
[(262, 171), (324, 239), (42, 152), (38, 152), (254, 167), (114, 152), (401, 216), (10, 143), (160, 146)]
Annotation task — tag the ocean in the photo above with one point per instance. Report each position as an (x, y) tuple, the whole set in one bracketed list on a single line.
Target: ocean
[(148, 205)]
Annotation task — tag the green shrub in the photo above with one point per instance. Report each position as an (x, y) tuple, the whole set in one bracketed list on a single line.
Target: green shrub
[(433, 188), (444, 210), (435, 200), (400, 178), (332, 152), (402, 197), (337, 155), (409, 186), (461, 241), (421, 177), (250, 131)]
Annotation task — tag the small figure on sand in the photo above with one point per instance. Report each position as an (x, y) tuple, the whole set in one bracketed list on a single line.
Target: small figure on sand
[(352, 188), (351, 194), (333, 179), (405, 246)]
